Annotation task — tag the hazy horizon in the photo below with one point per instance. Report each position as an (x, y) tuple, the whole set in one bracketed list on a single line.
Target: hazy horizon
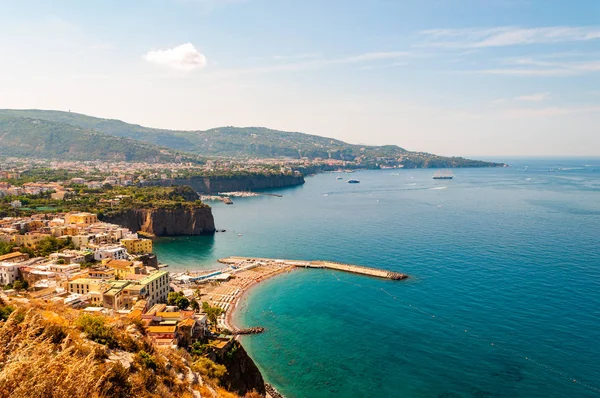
[(502, 78)]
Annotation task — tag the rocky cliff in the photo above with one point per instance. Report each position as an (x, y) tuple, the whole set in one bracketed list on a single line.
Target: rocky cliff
[(178, 221), (242, 375), (234, 183)]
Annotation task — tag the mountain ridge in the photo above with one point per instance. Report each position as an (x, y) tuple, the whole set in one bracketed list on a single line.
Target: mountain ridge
[(251, 142), (34, 137)]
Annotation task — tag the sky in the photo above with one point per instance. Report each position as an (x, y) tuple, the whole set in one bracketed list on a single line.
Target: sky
[(452, 77)]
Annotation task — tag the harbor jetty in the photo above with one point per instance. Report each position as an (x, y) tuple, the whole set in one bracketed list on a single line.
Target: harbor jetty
[(355, 269)]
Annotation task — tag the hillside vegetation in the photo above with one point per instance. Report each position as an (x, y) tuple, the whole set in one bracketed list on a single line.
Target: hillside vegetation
[(258, 142), (104, 200), (40, 138), (49, 350)]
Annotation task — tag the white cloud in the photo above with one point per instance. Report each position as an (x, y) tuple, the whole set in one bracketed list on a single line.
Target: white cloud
[(506, 36), (184, 57), (538, 97)]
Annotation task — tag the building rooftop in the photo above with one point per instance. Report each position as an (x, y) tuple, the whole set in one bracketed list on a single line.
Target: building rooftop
[(135, 287), (157, 308), (118, 284), (153, 276), (135, 277), (175, 315), (134, 314), (162, 329), (189, 322), (10, 256), (112, 292), (119, 264), (84, 281), (8, 265)]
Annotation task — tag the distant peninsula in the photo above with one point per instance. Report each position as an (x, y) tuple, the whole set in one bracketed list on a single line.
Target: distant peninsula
[(49, 134)]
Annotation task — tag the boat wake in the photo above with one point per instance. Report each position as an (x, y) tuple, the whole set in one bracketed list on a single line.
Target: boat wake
[(438, 188)]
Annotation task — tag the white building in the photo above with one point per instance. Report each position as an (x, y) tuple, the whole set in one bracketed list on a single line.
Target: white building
[(9, 273), (65, 269), (69, 256), (113, 252)]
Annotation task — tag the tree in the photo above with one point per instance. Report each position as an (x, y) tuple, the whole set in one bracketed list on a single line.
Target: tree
[(178, 299), (6, 247), (50, 245), (195, 306), (19, 285), (183, 303), (212, 313), (172, 298)]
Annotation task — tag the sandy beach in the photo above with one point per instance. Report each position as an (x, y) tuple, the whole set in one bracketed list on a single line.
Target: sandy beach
[(227, 294), (228, 321)]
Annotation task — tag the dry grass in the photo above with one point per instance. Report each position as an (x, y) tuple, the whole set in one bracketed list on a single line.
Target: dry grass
[(44, 355)]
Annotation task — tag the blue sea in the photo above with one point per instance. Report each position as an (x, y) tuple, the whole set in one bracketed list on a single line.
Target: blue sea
[(503, 299)]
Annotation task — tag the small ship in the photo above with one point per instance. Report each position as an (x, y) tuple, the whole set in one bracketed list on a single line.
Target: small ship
[(443, 175)]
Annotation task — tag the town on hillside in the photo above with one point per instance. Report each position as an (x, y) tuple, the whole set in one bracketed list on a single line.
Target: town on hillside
[(97, 267)]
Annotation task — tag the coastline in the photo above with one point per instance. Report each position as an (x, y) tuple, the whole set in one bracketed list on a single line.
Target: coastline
[(228, 320), (272, 392)]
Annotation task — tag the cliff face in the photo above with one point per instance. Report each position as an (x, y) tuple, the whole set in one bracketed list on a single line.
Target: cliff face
[(166, 222), (234, 183), (243, 375)]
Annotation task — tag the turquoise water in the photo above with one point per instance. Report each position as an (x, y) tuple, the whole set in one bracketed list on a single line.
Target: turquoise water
[(504, 299)]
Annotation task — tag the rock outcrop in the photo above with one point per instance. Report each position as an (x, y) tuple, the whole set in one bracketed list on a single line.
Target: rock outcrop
[(235, 183), (243, 375), (178, 221)]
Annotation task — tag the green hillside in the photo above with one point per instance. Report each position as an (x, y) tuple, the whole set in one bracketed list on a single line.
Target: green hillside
[(257, 142), (39, 138), (223, 141)]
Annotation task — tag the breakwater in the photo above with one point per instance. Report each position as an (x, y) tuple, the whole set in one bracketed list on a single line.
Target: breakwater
[(355, 269)]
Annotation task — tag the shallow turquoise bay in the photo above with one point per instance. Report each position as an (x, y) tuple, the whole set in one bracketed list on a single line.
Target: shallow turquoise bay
[(504, 299)]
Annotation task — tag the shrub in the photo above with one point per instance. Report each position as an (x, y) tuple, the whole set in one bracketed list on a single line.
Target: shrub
[(5, 312), (116, 382), (208, 368), (199, 349), (55, 333), (146, 360), (20, 285), (95, 328)]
